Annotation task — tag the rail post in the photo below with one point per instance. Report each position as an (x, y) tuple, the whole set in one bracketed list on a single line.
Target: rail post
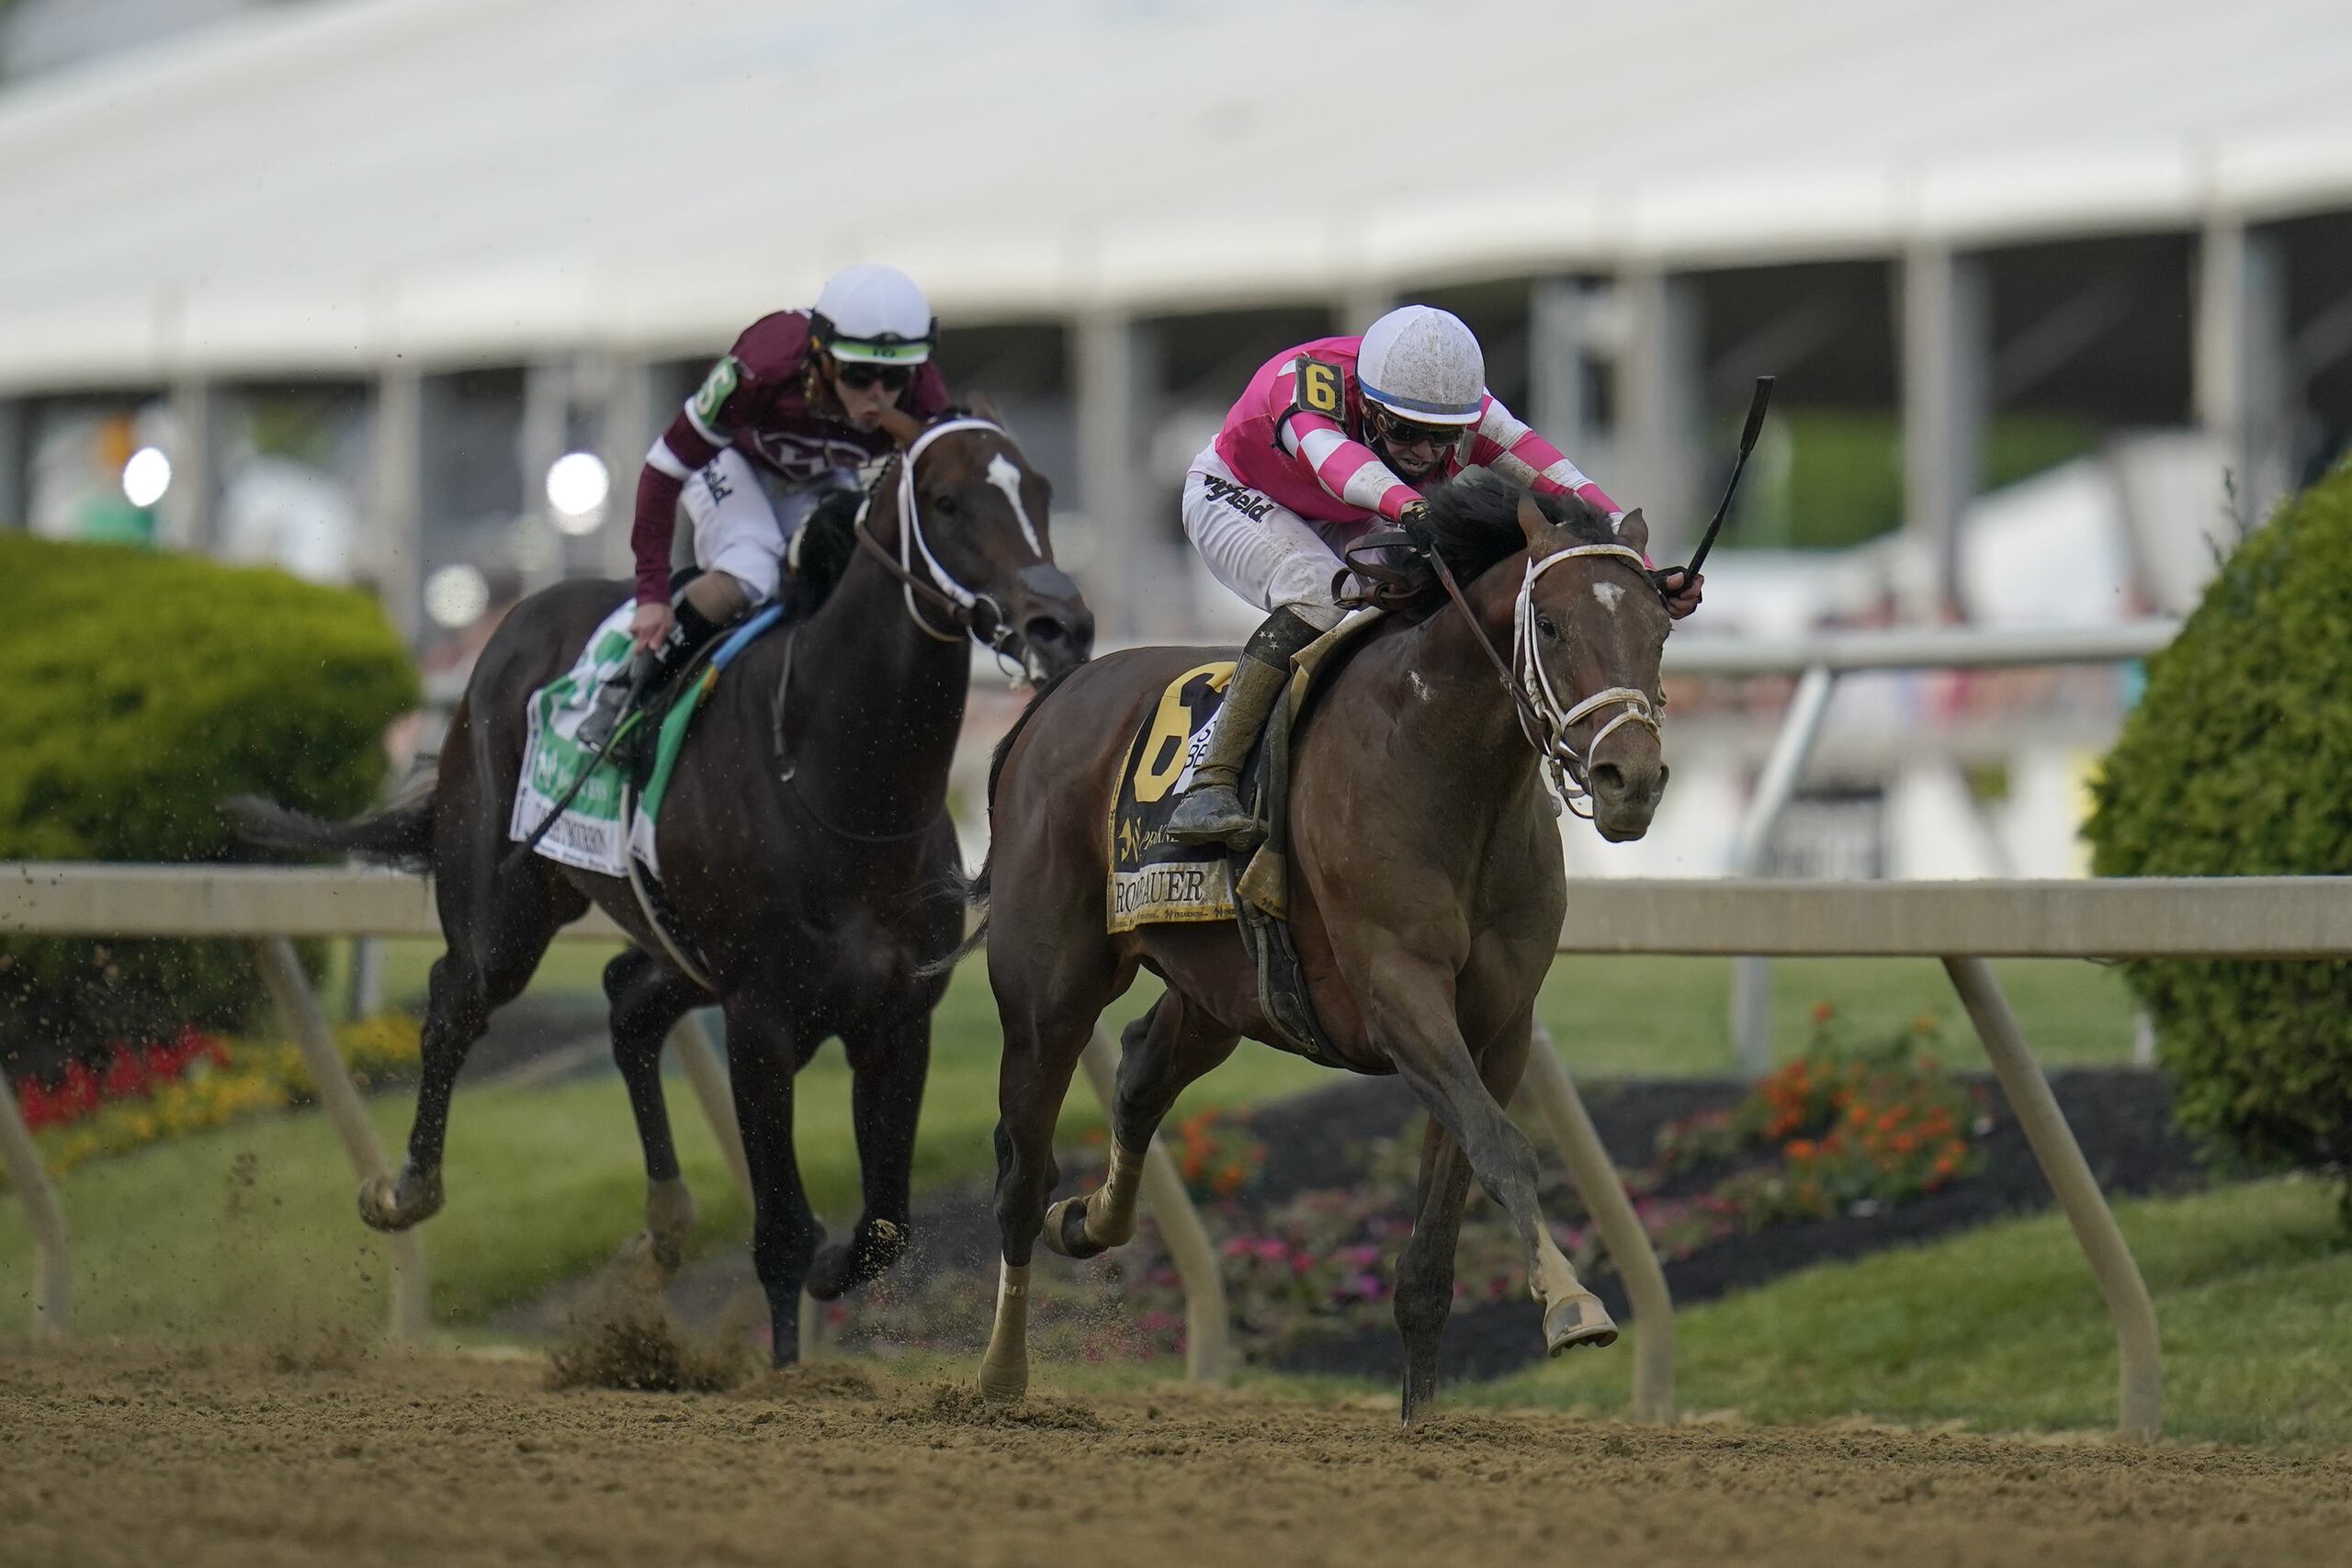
[(53, 1262), (412, 1302), (1751, 978), (1208, 1333), (1589, 1167), (2140, 1378)]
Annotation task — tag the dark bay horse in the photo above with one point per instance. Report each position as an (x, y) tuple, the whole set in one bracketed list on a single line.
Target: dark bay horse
[(805, 848), (1426, 893)]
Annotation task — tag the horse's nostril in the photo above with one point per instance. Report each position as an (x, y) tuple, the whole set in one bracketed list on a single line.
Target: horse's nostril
[(1043, 631), (1609, 777), (1663, 771)]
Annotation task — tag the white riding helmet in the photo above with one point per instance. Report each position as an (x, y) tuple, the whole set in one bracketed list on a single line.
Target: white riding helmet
[(1423, 365), (874, 314)]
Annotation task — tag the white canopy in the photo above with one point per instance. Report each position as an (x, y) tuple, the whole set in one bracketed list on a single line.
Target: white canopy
[(461, 181)]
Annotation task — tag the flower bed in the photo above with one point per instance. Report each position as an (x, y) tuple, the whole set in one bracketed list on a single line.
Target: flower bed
[(1845, 1130), (190, 1083)]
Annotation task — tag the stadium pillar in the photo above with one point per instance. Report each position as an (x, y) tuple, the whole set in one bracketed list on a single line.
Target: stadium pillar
[(632, 418), (1113, 373), (1356, 307), (2242, 361), (396, 553), (16, 462), (1560, 333), (1661, 381), (191, 506), (1946, 353)]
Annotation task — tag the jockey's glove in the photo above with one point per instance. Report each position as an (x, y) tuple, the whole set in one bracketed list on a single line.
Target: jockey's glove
[(1415, 521)]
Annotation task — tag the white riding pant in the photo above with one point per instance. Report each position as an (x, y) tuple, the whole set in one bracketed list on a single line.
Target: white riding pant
[(1260, 549), (744, 518)]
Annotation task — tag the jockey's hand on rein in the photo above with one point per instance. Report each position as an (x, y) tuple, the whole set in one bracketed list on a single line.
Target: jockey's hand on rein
[(1682, 592), (1415, 521), (649, 625)]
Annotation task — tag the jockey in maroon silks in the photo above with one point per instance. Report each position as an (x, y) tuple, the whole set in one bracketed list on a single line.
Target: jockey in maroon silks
[(1330, 439), (802, 401)]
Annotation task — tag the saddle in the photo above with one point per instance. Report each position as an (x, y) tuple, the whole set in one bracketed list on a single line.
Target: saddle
[(1155, 880)]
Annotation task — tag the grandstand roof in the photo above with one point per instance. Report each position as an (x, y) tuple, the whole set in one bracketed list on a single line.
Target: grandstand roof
[(478, 180)]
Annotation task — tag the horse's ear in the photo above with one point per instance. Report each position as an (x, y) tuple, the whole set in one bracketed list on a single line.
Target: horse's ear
[(1531, 520), (1633, 531)]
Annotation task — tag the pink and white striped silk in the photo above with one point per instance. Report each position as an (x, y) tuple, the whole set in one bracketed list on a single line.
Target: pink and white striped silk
[(1311, 464)]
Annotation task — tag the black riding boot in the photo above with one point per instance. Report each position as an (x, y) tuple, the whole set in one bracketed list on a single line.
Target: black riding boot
[(1211, 811), (689, 629)]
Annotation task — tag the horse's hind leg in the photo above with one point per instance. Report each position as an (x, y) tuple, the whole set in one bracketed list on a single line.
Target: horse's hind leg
[(648, 998), (492, 953), (889, 1059), (1425, 1268), (1047, 1020), (1161, 1054)]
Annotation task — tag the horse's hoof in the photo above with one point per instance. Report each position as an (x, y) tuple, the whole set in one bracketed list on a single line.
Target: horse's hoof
[(1579, 1320), (1003, 1385), (394, 1203), (872, 1248), (669, 1220), (1065, 1233), (645, 1265)]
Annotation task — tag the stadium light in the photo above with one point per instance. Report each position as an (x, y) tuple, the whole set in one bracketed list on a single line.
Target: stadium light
[(146, 477), (578, 485), (455, 596)]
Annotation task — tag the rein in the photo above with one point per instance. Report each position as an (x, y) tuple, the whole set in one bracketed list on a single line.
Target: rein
[(1542, 717)]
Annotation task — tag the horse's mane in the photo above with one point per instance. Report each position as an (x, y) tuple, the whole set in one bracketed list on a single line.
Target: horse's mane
[(1474, 520)]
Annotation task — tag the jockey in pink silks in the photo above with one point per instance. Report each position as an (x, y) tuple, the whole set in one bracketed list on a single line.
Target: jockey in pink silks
[(1330, 439)]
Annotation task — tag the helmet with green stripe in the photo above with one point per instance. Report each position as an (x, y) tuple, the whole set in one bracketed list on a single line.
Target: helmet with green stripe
[(871, 314)]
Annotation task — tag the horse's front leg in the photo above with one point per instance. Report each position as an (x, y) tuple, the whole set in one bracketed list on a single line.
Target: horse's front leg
[(1409, 1014), (1160, 1055), (762, 1060), (890, 1059)]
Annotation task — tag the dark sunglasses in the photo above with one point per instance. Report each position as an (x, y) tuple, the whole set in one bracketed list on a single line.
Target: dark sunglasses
[(1397, 431), (890, 377)]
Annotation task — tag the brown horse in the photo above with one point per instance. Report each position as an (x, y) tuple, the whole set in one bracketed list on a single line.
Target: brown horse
[(1426, 893), (806, 852)]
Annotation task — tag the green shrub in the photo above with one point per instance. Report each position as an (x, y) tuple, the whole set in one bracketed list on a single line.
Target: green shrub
[(2238, 762), (142, 689)]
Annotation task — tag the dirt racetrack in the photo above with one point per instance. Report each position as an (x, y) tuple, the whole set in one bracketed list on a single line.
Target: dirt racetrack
[(137, 1454)]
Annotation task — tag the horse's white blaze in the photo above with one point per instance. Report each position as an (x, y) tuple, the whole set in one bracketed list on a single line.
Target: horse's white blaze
[(1608, 593), (1007, 478), (1420, 687)]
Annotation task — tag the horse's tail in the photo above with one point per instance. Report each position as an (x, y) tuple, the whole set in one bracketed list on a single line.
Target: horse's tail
[(974, 889), (400, 835)]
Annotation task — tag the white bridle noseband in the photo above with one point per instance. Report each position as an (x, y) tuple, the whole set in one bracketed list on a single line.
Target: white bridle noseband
[(912, 543), (1570, 772)]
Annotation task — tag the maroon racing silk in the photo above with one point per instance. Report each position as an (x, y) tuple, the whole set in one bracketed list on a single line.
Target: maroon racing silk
[(755, 400)]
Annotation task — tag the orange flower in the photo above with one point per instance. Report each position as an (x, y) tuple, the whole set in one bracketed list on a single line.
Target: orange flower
[(1823, 1012), (1799, 1148)]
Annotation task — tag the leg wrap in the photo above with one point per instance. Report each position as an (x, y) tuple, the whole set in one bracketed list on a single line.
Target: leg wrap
[(1004, 1370), (1111, 1210)]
